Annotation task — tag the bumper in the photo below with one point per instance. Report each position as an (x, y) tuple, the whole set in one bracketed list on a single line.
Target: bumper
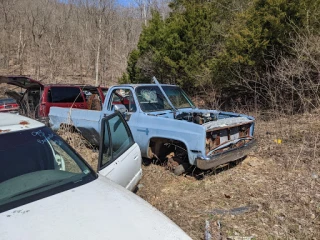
[(207, 162)]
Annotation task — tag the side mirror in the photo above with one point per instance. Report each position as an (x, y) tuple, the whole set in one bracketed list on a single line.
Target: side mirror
[(119, 108)]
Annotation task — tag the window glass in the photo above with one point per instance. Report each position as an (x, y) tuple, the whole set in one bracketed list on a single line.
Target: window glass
[(114, 99), (65, 94), (34, 161), (178, 97), (106, 151), (151, 99), (121, 139), (64, 161), (124, 97)]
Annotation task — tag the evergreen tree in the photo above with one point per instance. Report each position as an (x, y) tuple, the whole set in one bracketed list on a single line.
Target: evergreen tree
[(205, 42)]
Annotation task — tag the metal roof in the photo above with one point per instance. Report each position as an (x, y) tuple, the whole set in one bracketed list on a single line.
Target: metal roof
[(13, 122)]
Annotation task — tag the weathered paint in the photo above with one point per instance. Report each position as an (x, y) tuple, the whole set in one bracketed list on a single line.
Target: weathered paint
[(96, 210), (13, 122), (157, 124), (87, 121)]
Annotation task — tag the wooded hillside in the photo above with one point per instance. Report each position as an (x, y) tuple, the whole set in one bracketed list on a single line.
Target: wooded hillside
[(56, 40), (258, 53)]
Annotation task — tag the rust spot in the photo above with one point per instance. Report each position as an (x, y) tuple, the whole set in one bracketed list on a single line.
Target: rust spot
[(4, 131), (24, 123)]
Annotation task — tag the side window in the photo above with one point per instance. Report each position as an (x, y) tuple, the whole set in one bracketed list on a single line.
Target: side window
[(106, 148), (124, 97), (117, 138), (65, 94)]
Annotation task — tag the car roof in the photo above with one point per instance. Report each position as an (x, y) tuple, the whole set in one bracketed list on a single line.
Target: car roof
[(13, 123)]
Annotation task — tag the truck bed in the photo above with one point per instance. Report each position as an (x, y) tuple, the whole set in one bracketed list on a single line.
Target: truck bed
[(86, 121)]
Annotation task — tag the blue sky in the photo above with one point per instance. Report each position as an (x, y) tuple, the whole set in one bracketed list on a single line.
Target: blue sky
[(121, 2), (126, 2)]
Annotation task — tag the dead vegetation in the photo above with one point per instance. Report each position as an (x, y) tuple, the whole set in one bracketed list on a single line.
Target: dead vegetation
[(273, 194), (80, 144)]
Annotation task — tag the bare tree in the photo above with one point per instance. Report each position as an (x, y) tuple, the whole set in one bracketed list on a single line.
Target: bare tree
[(292, 84), (145, 7), (70, 40)]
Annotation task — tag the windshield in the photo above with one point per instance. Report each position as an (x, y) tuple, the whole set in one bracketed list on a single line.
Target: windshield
[(37, 161), (151, 99), (178, 97)]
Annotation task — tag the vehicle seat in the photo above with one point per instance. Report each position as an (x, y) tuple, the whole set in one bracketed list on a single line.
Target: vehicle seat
[(94, 103)]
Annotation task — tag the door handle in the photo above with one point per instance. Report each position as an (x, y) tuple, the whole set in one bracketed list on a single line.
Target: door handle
[(136, 158)]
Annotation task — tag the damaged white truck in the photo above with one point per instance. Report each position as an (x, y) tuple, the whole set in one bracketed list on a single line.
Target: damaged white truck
[(166, 124)]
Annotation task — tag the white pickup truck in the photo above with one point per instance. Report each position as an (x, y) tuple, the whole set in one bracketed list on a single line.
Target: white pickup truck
[(163, 119)]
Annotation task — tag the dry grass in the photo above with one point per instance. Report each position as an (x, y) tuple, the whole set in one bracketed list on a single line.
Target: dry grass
[(279, 181), (81, 145)]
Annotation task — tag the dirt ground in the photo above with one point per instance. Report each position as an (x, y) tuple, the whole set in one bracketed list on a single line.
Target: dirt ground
[(272, 194)]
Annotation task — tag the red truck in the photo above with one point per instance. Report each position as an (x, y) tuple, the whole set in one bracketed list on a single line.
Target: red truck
[(38, 97)]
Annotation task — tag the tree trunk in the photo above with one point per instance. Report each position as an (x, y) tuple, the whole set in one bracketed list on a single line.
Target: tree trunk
[(98, 50)]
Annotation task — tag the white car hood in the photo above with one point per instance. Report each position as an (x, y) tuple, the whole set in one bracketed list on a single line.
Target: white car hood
[(97, 210)]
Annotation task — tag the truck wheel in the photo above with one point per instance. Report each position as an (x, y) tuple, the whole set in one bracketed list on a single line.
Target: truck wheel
[(180, 169)]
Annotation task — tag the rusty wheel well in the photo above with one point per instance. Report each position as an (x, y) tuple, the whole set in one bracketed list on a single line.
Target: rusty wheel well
[(161, 147)]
